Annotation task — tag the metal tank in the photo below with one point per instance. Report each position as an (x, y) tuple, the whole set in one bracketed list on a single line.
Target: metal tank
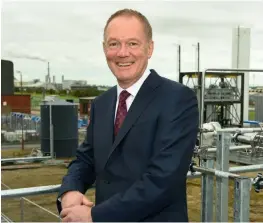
[(64, 119), (7, 77), (258, 107)]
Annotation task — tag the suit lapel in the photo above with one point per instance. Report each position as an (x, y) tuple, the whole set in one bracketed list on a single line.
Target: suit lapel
[(142, 99), (107, 118)]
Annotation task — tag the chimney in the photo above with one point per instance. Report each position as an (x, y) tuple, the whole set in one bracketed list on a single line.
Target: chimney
[(48, 72), (46, 81)]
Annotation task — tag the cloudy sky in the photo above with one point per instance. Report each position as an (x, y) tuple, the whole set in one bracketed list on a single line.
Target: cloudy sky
[(69, 35)]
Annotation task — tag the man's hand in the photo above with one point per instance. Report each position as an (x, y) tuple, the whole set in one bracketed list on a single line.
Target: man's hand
[(77, 213), (72, 198)]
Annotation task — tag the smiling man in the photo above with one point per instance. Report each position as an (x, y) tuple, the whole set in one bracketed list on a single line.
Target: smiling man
[(128, 46), (140, 139)]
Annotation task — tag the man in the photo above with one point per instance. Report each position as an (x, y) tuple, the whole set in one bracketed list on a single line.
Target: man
[(140, 138)]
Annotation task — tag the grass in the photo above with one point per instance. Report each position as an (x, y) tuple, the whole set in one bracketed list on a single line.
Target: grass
[(251, 115), (36, 99), (9, 153), (50, 175)]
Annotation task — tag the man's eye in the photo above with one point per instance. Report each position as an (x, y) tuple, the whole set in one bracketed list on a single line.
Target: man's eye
[(133, 44), (113, 44)]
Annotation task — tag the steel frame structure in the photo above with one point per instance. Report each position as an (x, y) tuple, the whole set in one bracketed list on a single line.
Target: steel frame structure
[(202, 92)]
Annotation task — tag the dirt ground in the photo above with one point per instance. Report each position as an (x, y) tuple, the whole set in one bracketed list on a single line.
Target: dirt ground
[(51, 175)]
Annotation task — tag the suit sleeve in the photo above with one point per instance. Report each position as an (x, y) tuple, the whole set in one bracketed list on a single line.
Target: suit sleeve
[(81, 174), (173, 149)]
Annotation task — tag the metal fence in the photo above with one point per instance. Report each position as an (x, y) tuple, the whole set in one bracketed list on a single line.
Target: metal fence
[(16, 127)]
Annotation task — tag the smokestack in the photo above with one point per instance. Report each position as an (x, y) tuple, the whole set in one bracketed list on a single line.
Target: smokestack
[(62, 78), (241, 44), (54, 79), (48, 72), (46, 79)]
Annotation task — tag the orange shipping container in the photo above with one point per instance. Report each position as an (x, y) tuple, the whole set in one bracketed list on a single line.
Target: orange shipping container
[(17, 103)]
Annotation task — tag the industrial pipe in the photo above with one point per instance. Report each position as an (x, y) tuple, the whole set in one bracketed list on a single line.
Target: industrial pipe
[(55, 188), (232, 148)]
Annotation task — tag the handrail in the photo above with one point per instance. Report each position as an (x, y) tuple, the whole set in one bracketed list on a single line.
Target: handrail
[(12, 193), (20, 192)]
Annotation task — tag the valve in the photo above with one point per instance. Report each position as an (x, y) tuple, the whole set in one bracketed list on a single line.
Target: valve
[(191, 167), (258, 182), (234, 137)]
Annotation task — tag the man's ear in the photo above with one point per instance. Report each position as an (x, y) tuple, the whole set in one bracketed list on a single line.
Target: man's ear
[(150, 49)]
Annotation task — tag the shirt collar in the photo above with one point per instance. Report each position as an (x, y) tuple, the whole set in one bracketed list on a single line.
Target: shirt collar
[(133, 90)]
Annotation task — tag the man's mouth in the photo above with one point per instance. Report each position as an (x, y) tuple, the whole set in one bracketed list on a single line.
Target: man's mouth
[(124, 64)]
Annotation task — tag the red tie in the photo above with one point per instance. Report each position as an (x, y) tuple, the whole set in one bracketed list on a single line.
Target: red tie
[(121, 111)]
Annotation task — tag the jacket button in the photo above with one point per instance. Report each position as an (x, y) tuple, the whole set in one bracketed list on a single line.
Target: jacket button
[(106, 182)]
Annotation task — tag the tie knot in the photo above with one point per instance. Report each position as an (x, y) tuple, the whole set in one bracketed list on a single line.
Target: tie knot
[(124, 95)]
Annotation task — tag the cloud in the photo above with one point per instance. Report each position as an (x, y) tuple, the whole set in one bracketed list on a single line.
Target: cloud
[(69, 35), (25, 56)]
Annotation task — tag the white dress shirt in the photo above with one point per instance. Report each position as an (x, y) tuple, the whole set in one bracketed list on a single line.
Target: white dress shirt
[(133, 90)]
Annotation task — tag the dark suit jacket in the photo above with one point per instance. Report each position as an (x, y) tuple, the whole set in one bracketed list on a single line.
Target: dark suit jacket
[(141, 174)]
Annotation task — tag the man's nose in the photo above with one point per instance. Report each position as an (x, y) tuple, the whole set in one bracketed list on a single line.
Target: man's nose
[(123, 51)]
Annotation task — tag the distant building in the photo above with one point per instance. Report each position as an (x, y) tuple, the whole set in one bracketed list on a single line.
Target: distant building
[(66, 84), (258, 89), (47, 86), (84, 87), (103, 88), (58, 86), (79, 87)]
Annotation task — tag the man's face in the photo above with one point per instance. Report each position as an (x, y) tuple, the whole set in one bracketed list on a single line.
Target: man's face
[(127, 49)]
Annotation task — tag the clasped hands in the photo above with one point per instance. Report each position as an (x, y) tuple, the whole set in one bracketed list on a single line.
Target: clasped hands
[(75, 207)]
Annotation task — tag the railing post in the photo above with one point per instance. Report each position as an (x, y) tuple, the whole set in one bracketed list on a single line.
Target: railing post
[(21, 209), (242, 199), (222, 163), (207, 193)]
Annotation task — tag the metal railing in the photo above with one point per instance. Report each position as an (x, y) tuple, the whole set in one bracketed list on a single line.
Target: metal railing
[(26, 159), (28, 191), (241, 189), (241, 194), (12, 193), (4, 218)]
